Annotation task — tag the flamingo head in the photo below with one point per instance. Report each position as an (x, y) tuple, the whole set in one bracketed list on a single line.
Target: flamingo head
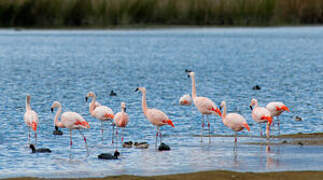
[(190, 73), (123, 106), (28, 97), (56, 104), (222, 105), (89, 94), (141, 89), (253, 103)]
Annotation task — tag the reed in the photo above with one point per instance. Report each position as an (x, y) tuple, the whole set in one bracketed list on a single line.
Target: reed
[(105, 13)]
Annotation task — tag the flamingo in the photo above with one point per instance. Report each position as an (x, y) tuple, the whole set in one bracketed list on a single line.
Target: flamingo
[(31, 119), (276, 108), (234, 121), (205, 105), (121, 119), (185, 100), (102, 113), (261, 115), (155, 116), (71, 120)]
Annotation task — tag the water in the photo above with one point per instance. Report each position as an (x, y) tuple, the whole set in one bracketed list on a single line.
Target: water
[(64, 65)]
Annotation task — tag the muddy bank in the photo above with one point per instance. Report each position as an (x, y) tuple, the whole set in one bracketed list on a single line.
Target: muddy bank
[(219, 175)]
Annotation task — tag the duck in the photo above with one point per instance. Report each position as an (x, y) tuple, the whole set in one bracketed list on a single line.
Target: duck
[(109, 156), (40, 150)]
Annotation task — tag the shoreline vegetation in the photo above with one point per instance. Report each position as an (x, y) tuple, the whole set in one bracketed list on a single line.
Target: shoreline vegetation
[(218, 175), (101, 14)]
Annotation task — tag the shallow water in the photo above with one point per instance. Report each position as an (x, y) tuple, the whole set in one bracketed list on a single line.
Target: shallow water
[(64, 65)]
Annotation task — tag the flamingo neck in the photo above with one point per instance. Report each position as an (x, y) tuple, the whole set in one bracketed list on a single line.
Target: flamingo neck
[(224, 112), (256, 104), (56, 122), (92, 105), (144, 103), (28, 108), (193, 87)]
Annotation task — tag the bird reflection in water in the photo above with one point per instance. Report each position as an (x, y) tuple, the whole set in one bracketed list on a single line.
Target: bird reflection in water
[(272, 156)]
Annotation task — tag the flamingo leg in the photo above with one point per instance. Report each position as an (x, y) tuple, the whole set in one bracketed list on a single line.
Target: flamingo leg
[(28, 135), (209, 126), (278, 121), (235, 138), (160, 136), (102, 130), (156, 138), (268, 130), (86, 147), (117, 137), (71, 141), (35, 137), (260, 130), (202, 127), (113, 132), (121, 135)]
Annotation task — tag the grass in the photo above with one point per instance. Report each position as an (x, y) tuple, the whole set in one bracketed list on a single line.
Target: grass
[(107, 13)]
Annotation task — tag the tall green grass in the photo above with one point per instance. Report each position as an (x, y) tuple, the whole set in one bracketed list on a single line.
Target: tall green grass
[(104, 13)]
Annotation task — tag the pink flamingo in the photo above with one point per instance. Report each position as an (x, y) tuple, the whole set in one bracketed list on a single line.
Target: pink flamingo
[(185, 100), (121, 120), (31, 119), (71, 120), (102, 113), (205, 105), (234, 121), (261, 115), (155, 116), (276, 108)]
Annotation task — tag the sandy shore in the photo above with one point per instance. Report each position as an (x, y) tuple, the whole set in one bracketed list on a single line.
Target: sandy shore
[(219, 175)]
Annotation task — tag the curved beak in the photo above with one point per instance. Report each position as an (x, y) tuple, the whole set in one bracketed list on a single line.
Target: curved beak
[(86, 98), (250, 107), (125, 109), (52, 109), (136, 89)]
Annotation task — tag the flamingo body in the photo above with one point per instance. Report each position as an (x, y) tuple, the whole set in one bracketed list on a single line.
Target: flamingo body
[(276, 108), (73, 120), (236, 122), (103, 113), (185, 100), (31, 119)]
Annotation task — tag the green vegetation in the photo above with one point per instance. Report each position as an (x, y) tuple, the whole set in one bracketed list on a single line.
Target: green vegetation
[(107, 13)]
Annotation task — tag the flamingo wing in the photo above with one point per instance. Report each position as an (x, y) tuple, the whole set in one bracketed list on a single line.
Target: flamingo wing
[(73, 120), (236, 122), (103, 113), (157, 117), (204, 105)]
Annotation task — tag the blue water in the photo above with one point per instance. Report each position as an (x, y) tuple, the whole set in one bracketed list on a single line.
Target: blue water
[(64, 65)]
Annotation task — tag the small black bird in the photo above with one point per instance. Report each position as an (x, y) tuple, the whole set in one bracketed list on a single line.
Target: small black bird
[(109, 156), (163, 147), (112, 93), (256, 87), (57, 131), (40, 150)]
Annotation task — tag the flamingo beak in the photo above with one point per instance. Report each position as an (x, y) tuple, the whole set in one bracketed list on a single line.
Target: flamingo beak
[(169, 122), (285, 108), (110, 116), (251, 107), (218, 111), (86, 98), (86, 124), (270, 120), (52, 109), (136, 89)]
